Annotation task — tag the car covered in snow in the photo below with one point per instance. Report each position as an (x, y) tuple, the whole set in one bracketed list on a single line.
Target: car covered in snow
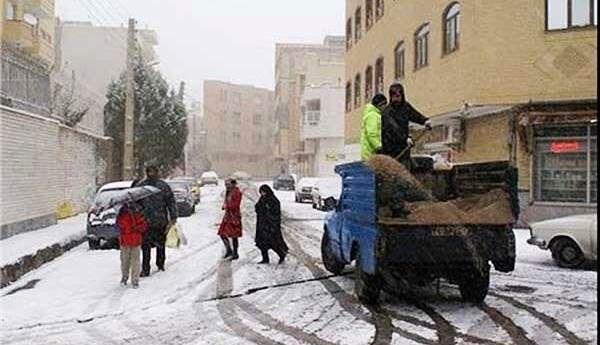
[(209, 177), (304, 189), (325, 192), (183, 197), (572, 240), (102, 231)]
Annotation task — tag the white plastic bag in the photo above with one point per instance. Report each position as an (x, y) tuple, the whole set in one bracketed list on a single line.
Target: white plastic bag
[(181, 235)]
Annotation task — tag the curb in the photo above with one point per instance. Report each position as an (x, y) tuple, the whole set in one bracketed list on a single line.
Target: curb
[(12, 272)]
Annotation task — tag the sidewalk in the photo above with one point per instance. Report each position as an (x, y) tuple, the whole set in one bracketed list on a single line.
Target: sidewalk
[(22, 253)]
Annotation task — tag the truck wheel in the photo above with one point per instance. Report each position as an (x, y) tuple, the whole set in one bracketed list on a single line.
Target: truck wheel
[(332, 264), (474, 286), (566, 253), (367, 287)]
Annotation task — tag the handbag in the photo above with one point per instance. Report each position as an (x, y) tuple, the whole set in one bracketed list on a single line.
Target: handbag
[(173, 239)]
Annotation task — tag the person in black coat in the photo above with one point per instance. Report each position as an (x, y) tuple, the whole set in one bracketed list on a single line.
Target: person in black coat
[(395, 124), (268, 225), (161, 212)]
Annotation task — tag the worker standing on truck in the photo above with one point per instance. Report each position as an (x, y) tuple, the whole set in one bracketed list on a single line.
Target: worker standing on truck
[(370, 127), (395, 125)]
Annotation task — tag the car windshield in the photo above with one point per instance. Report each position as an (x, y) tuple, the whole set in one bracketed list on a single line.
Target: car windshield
[(286, 178), (178, 186), (209, 175), (105, 196)]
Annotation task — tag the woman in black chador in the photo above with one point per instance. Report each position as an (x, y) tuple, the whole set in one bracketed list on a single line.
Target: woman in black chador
[(268, 225)]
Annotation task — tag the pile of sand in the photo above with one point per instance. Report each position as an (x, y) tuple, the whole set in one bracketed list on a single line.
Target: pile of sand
[(393, 177)]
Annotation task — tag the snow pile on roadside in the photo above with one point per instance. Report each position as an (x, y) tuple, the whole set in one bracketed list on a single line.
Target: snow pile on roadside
[(18, 246)]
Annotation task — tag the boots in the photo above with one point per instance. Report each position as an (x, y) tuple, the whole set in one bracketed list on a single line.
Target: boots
[(265, 257), (234, 255), (282, 256), (228, 251)]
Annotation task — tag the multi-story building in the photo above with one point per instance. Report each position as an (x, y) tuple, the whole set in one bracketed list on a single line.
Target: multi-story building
[(513, 80), (322, 129), (296, 67), (196, 155), (27, 54), (94, 56), (239, 122)]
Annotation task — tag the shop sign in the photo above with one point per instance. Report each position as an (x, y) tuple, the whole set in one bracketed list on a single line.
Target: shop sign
[(565, 146)]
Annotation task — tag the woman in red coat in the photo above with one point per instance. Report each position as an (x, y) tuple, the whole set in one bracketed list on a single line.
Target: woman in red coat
[(231, 226)]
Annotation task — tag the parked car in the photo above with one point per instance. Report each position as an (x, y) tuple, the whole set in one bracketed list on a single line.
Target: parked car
[(284, 182), (209, 177), (304, 189), (325, 189), (241, 176), (194, 186), (102, 231), (571, 239), (183, 197)]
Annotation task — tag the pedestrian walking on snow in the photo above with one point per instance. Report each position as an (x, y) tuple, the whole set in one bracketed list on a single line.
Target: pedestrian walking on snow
[(132, 226), (268, 225), (231, 225)]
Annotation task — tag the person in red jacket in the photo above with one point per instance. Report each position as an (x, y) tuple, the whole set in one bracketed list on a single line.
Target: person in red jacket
[(132, 226), (231, 226)]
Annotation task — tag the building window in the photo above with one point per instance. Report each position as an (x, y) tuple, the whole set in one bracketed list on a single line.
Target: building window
[(357, 93), (257, 119), (369, 14), (379, 9), (223, 95), (400, 57), (237, 117), (237, 98), (379, 75), (566, 14), (566, 164), (422, 46), (357, 24), (312, 112), (10, 11), (451, 28), (349, 34), (368, 84), (348, 97)]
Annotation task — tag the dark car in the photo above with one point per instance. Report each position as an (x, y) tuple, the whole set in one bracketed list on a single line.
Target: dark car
[(183, 197), (102, 231), (284, 182)]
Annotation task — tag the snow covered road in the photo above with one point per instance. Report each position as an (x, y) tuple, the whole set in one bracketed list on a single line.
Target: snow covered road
[(201, 299)]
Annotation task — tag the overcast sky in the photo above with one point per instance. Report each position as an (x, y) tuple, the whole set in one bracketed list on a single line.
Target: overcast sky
[(229, 40)]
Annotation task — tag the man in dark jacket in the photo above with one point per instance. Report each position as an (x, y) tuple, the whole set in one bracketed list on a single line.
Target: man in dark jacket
[(396, 117), (161, 213)]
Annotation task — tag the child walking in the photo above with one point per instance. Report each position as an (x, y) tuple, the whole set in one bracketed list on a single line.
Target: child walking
[(132, 226)]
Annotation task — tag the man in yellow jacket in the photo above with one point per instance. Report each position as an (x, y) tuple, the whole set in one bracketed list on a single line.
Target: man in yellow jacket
[(370, 127)]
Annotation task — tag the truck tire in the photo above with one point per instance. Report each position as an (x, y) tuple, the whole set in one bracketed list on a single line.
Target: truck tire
[(332, 263), (474, 285), (566, 253), (366, 286)]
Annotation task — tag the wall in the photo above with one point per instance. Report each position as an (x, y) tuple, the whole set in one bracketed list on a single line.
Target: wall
[(505, 56), (328, 156), (46, 168)]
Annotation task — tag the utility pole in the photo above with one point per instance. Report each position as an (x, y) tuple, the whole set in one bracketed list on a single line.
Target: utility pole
[(128, 139)]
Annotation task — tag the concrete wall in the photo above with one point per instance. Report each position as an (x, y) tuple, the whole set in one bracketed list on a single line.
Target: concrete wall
[(505, 57), (48, 171)]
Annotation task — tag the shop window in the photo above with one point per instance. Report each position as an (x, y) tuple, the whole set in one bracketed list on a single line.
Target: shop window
[(565, 164), (451, 28), (400, 57), (369, 14), (357, 93), (368, 84), (379, 9), (567, 14), (422, 47), (379, 75), (357, 24), (348, 97), (349, 34)]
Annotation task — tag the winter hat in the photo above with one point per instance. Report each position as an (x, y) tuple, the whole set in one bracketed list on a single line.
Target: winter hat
[(379, 99)]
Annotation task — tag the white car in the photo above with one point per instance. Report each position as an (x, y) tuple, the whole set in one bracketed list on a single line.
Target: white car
[(304, 189), (571, 239), (209, 177), (241, 176)]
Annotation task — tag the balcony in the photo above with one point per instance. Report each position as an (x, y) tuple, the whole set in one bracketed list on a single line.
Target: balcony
[(40, 8), (20, 33)]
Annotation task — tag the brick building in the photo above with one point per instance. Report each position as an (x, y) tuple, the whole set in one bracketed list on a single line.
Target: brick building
[(513, 80), (239, 125)]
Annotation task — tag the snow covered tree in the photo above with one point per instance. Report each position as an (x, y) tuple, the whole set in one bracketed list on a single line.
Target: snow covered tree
[(160, 128)]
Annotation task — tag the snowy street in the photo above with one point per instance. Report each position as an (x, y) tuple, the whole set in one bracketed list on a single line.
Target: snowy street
[(201, 299)]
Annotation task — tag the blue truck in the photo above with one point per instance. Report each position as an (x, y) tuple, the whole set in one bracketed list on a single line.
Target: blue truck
[(396, 254)]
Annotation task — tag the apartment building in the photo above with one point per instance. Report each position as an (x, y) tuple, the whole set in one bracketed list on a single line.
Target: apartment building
[(239, 124), (512, 80), (296, 67)]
